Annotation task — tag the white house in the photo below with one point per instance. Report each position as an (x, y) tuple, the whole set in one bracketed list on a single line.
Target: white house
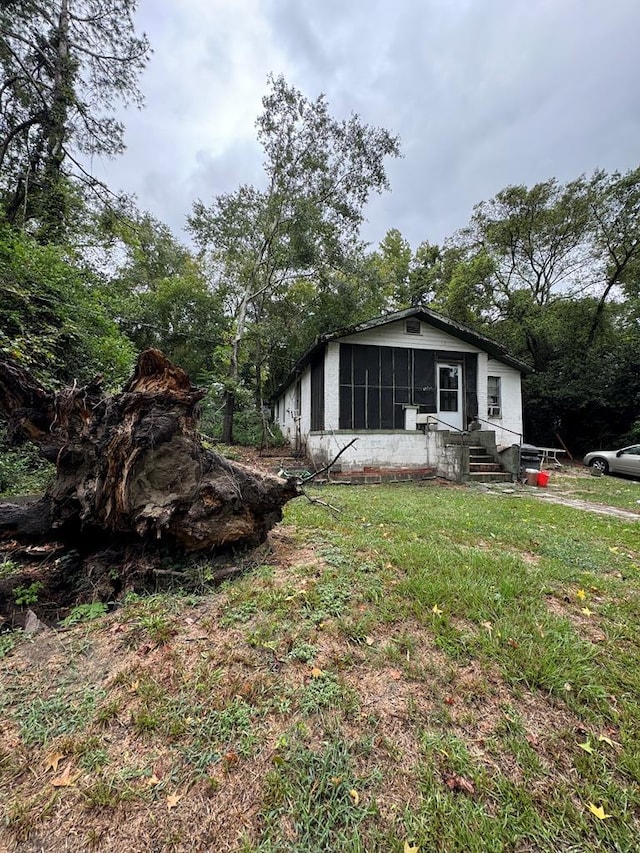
[(405, 385)]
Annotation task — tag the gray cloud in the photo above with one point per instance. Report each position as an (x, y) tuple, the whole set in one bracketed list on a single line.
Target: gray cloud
[(482, 94)]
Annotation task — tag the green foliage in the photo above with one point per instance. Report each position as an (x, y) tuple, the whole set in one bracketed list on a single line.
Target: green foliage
[(54, 316), (327, 820), (303, 651), (251, 427), (462, 285), (553, 273), (7, 644), (163, 298), (633, 436), (84, 613), (26, 595), (22, 471), (404, 278), (49, 717), (302, 228), (8, 567), (325, 692)]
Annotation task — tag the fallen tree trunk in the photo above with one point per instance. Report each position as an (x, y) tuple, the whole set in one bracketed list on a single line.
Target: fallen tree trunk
[(132, 466)]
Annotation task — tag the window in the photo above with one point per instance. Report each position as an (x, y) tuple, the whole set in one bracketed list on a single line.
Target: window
[(494, 397), (412, 326), (449, 384)]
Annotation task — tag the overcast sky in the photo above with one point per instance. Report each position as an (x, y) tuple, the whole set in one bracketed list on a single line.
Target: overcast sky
[(483, 93)]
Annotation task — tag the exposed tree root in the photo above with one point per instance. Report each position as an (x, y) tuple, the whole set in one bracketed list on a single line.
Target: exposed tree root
[(133, 482)]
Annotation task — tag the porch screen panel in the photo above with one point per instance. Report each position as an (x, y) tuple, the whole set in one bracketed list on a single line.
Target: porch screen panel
[(345, 416), (386, 388), (470, 373), (403, 371), (360, 407), (360, 365), (346, 364), (424, 379), (376, 383), (386, 408), (386, 367)]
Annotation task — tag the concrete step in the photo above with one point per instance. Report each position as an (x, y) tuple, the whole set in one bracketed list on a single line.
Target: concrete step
[(490, 477), (484, 467), (479, 457)]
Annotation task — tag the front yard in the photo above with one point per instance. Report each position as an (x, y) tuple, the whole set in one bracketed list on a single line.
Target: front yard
[(433, 668), (577, 482)]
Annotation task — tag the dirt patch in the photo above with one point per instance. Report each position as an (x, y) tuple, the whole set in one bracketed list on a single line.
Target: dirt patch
[(585, 623), (289, 552)]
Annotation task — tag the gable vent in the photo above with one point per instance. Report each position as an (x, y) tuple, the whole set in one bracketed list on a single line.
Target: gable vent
[(412, 326)]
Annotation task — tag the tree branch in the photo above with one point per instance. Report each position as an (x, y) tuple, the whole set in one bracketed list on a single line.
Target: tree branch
[(311, 477)]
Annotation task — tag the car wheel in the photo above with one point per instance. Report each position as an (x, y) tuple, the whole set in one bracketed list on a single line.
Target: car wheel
[(600, 465)]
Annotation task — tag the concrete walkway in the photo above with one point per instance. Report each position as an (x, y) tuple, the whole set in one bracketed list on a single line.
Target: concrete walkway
[(587, 506)]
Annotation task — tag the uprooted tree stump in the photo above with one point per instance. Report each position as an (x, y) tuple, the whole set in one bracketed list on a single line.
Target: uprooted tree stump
[(132, 473)]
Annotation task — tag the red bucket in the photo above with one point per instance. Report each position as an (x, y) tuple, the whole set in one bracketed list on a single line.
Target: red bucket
[(543, 478)]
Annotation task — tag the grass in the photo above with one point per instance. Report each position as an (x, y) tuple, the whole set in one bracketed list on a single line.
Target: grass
[(433, 667), (610, 490)]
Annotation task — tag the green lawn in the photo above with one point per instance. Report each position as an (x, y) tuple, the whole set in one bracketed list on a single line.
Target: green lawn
[(611, 490), (432, 668)]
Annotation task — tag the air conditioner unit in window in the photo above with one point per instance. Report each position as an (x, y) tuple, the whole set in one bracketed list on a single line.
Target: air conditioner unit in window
[(494, 412)]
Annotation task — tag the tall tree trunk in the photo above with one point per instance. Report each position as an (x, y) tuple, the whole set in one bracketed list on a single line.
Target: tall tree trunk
[(54, 194), (234, 370), (227, 416)]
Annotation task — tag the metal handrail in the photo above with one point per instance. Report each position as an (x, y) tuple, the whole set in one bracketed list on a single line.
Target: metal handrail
[(450, 426), (503, 428)]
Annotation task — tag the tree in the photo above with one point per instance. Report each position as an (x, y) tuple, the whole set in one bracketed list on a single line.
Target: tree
[(65, 64), (161, 295), (536, 242), (615, 210), (319, 174), (462, 286), (392, 264), (552, 272), (310, 307)]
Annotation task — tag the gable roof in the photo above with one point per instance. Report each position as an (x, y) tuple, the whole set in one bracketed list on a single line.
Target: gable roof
[(432, 318)]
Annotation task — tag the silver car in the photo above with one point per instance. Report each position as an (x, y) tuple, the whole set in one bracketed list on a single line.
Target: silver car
[(625, 461)]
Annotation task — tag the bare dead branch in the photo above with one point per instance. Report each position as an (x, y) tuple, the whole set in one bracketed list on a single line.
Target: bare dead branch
[(320, 502), (308, 479)]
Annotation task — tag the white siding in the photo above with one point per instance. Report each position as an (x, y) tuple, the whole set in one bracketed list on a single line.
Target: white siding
[(394, 335), (332, 386), (287, 416), (305, 420), (511, 386)]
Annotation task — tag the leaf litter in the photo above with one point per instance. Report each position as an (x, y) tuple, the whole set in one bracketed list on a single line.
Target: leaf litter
[(397, 701)]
